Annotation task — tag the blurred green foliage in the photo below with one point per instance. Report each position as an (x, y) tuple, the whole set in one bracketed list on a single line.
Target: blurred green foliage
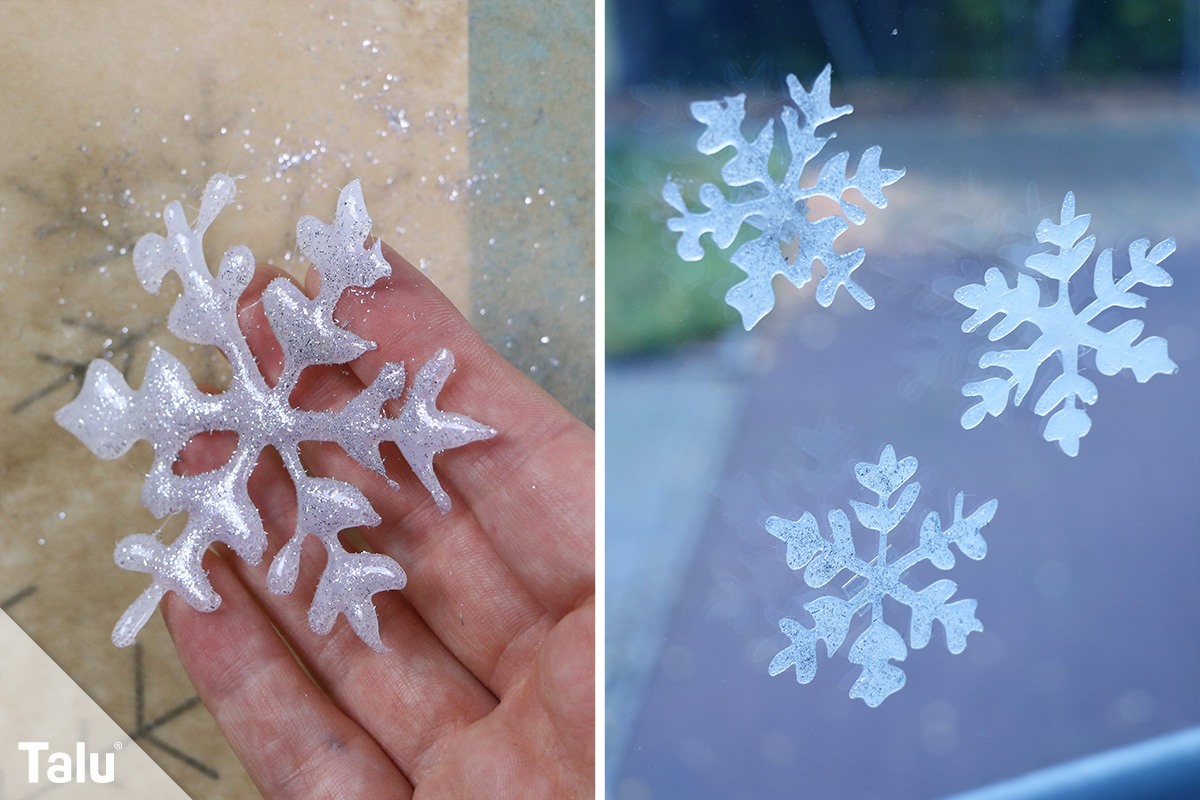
[(699, 42), (1137, 36), (653, 299), (999, 39)]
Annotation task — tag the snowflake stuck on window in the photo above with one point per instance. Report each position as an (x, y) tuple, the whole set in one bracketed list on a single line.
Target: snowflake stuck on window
[(778, 210), (1063, 330), (823, 558), (168, 410)]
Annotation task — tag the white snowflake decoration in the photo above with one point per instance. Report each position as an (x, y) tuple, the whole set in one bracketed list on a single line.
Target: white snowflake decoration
[(779, 210), (1064, 331), (824, 558), (168, 410)]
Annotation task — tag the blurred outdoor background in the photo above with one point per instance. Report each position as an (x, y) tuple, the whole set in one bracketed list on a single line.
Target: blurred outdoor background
[(1090, 593)]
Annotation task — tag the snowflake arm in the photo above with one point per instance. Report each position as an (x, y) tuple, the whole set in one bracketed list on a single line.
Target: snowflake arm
[(1063, 331), (778, 209), (168, 410), (823, 558)]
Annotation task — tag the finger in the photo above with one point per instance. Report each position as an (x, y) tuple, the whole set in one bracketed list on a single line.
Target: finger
[(469, 596), (466, 594), (530, 488), (290, 736), (408, 698), (437, 692), (419, 692), (547, 720)]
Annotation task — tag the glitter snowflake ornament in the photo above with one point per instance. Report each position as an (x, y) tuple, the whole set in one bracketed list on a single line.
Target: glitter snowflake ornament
[(1064, 331), (778, 208), (822, 558), (168, 410)]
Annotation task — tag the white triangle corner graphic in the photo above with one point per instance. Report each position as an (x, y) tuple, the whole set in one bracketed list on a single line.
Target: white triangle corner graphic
[(46, 719)]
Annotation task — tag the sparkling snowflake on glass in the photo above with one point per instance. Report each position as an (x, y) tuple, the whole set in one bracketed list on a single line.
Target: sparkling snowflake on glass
[(778, 208), (824, 557), (168, 410), (1064, 331)]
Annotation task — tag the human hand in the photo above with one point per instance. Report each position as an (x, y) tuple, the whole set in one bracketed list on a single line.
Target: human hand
[(488, 690)]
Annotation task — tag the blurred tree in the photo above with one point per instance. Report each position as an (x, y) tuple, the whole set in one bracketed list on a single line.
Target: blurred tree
[(1052, 36), (689, 42)]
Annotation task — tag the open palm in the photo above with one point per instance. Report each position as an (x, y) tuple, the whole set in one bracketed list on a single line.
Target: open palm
[(487, 690)]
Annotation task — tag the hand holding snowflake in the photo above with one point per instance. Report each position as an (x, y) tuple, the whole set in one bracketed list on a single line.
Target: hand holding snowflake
[(1064, 331), (492, 639), (823, 558), (778, 209), (169, 410)]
